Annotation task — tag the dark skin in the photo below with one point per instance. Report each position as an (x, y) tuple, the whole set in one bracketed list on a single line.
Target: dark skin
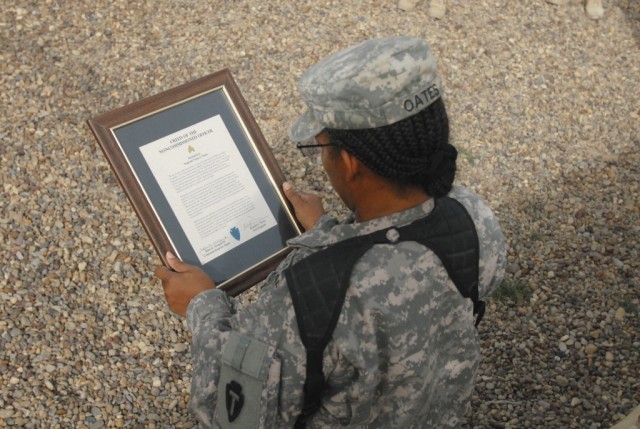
[(366, 194)]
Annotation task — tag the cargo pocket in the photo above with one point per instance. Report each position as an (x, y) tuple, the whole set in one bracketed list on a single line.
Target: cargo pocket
[(249, 384)]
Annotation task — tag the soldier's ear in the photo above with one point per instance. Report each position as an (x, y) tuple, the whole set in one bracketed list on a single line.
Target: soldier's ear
[(354, 168), (352, 165)]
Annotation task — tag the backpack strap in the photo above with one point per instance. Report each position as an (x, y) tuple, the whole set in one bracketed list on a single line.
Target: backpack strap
[(450, 233), (318, 283)]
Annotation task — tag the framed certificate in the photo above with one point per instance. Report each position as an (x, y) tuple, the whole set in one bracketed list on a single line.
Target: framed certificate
[(201, 178)]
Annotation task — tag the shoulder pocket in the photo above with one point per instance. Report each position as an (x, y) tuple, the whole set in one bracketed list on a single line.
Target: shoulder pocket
[(249, 384)]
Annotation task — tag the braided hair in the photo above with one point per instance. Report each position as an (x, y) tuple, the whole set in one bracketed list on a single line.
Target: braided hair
[(414, 151)]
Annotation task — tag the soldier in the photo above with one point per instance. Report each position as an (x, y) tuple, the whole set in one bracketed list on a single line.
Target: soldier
[(403, 350)]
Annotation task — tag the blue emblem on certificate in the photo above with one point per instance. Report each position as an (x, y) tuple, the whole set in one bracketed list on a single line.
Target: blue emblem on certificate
[(235, 233)]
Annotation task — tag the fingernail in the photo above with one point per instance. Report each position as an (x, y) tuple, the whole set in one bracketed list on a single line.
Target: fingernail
[(170, 255), (286, 186)]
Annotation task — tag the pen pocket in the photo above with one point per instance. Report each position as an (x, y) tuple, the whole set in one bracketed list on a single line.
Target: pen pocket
[(249, 384)]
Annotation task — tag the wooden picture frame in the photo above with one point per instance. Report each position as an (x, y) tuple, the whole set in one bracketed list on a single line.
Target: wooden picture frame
[(200, 176)]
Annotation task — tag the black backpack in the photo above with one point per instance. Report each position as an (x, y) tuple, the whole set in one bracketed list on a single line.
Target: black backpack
[(319, 282)]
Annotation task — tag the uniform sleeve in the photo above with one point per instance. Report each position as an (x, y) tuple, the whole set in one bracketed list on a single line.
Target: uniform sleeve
[(493, 246), (208, 319), (493, 251)]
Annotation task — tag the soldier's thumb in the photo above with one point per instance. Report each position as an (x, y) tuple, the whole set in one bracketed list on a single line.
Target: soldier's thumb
[(176, 264), (291, 193)]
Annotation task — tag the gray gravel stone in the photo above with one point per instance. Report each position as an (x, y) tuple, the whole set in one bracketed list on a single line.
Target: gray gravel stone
[(545, 111)]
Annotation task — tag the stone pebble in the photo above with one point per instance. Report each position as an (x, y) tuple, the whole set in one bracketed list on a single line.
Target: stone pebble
[(543, 105)]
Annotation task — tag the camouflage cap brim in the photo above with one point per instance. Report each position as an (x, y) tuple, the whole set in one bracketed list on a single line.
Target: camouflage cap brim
[(305, 128), (376, 83)]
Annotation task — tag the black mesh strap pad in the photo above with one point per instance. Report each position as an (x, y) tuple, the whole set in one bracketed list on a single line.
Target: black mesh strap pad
[(450, 233)]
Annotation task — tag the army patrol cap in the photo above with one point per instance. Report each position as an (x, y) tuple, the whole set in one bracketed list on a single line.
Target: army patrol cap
[(376, 83)]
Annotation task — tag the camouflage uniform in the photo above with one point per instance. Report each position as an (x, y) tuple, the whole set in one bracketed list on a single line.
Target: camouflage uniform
[(404, 353)]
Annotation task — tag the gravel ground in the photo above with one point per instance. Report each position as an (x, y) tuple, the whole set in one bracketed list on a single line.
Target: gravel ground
[(545, 110)]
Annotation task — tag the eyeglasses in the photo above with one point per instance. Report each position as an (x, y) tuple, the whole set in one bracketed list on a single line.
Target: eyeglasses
[(311, 147)]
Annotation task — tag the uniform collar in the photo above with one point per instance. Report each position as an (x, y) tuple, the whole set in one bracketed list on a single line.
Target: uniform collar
[(328, 231)]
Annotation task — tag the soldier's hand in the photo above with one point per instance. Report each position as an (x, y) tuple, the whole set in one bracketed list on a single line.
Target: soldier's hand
[(308, 207), (182, 284)]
